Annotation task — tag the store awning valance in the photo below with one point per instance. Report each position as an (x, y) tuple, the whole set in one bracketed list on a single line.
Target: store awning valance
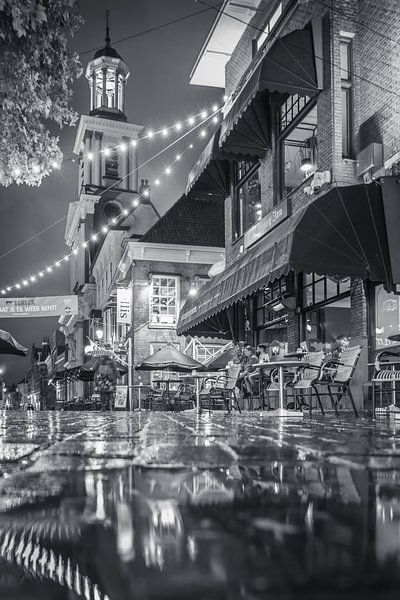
[(209, 176), (292, 66), (340, 234)]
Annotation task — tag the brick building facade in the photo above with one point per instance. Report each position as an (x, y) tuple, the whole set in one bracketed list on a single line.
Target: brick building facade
[(312, 108)]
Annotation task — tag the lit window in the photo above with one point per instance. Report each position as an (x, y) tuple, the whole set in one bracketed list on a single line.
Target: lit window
[(387, 317), (246, 199), (298, 151), (164, 301)]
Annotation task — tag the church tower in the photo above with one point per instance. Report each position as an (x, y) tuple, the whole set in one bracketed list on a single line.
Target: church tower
[(108, 188)]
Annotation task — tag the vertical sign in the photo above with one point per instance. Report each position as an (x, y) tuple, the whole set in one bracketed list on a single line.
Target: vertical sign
[(124, 308), (121, 396)]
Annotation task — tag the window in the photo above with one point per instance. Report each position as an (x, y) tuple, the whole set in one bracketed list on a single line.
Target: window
[(111, 163), (327, 304), (298, 143), (347, 96), (164, 301), (272, 20), (246, 210), (387, 317), (320, 288)]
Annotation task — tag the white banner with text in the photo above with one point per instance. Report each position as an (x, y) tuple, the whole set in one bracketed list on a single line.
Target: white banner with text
[(44, 306)]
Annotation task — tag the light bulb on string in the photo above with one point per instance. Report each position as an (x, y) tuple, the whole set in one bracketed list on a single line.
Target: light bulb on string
[(107, 152), (90, 155), (191, 120), (203, 133), (104, 229), (164, 132), (150, 134), (214, 108), (178, 126), (134, 143), (33, 278), (55, 164), (191, 146), (215, 119), (8, 289), (123, 147), (225, 98), (3, 292), (18, 286), (146, 193), (135, 202), (203, 114), (94, 236)]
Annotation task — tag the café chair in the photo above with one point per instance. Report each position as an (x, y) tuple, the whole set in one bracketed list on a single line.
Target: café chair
[(225, 389), (305, 380), (336, 376), (385, 377)]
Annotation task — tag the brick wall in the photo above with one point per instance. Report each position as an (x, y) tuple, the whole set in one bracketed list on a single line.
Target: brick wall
[(373, 28), (146, 334)]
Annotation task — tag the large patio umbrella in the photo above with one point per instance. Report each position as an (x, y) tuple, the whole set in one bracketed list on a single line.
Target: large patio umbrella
[(169, 359), (9, 345)]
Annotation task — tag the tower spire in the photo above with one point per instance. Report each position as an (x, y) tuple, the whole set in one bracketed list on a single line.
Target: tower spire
[(108, 41)]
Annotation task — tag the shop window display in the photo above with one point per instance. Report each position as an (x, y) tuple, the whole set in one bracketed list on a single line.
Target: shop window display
[(387, 317)]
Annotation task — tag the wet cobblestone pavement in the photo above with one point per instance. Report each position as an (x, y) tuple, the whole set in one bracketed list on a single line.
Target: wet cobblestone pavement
[(115, 506)]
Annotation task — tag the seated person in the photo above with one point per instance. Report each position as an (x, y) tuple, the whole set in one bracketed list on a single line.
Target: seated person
[(264, 372), (250, 359)]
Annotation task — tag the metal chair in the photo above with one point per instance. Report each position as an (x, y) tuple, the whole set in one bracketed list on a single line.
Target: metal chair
[(336, 376), (306, 377), (384, 377), (225, 388)]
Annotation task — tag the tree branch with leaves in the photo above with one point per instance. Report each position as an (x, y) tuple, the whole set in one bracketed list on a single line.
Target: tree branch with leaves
[(37, 70)]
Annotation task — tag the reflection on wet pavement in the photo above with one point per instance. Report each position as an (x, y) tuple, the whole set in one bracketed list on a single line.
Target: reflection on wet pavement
[(115, 506)]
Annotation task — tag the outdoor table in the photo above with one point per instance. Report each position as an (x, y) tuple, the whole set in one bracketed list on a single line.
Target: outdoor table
[(197, 377), (280, 365)]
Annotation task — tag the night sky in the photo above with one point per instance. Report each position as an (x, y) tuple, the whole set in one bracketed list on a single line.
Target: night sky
[(158, 93)]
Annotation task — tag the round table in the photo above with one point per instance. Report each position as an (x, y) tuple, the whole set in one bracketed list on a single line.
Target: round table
[(298, 355), (281, 365)]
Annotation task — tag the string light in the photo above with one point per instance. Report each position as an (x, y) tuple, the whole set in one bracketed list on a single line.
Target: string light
[(135, 202), (203, 133), (105, 229), (56, 164)]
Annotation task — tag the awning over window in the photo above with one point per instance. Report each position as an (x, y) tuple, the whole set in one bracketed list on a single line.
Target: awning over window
[(292, 65), (209, 176), (340, 234)]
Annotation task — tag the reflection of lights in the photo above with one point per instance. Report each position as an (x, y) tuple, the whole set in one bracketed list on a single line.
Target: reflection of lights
[(125, 533)]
